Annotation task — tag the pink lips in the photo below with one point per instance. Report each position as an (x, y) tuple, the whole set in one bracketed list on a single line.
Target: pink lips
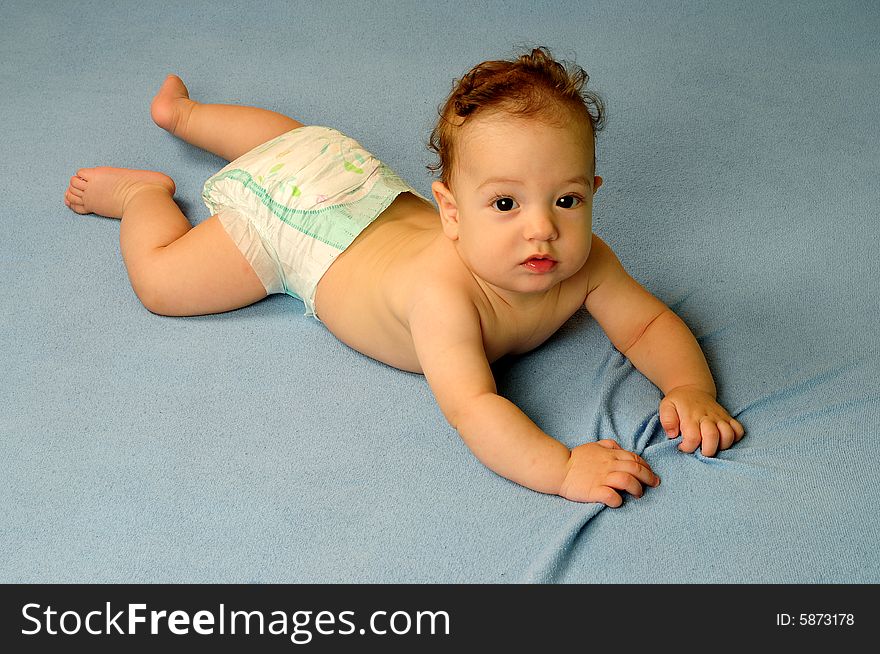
[(539, 264)]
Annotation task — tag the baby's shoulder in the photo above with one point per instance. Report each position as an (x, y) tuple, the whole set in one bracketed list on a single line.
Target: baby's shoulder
[(443, 293), (601, 264)]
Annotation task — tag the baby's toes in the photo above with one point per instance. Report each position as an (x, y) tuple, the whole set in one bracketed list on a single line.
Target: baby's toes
[(78, 183), (73, 198), (75, 203), (76, 189)]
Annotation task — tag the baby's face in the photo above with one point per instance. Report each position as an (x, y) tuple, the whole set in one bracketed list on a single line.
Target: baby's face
[(521, 189)]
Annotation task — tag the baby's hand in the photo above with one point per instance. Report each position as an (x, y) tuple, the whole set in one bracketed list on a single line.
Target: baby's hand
[(701, 420), (596, 469)]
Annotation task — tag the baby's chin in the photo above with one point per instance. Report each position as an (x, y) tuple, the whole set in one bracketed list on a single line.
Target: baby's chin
[(520, 280), (526, 282)]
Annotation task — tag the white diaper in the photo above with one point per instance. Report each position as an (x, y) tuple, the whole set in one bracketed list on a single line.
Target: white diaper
[(293, 204)]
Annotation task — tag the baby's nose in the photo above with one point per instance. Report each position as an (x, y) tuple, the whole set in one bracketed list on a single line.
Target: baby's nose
[(540, 227)]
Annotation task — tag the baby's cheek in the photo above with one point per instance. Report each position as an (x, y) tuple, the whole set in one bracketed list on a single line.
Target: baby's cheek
[(581, 257)]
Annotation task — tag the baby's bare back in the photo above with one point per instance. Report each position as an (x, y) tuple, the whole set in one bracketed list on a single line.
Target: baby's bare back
[(365, 296)]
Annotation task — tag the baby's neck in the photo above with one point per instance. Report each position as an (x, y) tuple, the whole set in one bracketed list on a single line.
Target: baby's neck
[(513, 300)]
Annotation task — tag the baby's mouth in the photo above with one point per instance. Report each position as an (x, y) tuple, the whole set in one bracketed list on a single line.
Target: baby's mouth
[(539, 264)]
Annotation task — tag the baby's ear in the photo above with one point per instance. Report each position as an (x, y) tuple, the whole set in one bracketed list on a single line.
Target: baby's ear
[(448, 209)]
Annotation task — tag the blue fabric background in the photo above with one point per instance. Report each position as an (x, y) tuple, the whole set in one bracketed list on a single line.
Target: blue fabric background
[(740, 162)]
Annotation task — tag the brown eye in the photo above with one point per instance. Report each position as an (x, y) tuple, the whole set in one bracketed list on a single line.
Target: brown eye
[(504, 204), (568, 201)]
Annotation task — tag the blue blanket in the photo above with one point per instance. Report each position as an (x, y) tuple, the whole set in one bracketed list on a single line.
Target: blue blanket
[(740, 162)]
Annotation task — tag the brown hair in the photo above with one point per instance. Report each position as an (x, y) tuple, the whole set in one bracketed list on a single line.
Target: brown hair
[(534, 83)]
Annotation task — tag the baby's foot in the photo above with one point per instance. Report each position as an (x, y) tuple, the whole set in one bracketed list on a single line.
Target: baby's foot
[(171, 106), (105, 191)]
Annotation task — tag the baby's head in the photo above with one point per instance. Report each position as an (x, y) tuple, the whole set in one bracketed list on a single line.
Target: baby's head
[(516, 143), (532, 86)]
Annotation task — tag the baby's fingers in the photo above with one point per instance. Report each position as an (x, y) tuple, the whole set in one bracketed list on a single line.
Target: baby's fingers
[(690, 436), (737, 429), (607, 496), (609, 444), (669, 418), (728, 436), (731, 432), (710, 437), (624, 481), (637, 467)]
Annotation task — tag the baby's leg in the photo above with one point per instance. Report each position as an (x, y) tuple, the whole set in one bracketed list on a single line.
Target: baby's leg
[(175, 269), (226, 130)]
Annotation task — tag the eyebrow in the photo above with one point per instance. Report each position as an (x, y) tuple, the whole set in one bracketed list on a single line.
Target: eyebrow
[(580, 179), (499, 180)]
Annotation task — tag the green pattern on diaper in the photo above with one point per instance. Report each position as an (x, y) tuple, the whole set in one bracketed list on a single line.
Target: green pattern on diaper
[(335, 232)]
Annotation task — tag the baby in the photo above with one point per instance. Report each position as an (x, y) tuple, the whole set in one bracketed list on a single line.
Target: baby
[(503, 260)]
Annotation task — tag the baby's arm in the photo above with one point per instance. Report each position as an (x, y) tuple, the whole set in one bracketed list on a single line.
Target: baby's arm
[(663, 349), (448, 339)]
